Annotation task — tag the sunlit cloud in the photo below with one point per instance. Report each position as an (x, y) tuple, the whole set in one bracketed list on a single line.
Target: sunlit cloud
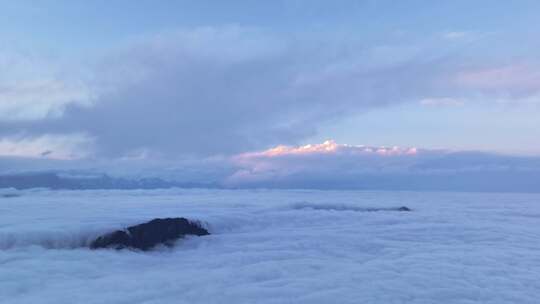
[(327, 165), (328, 158), (329, 147), (330, 165)]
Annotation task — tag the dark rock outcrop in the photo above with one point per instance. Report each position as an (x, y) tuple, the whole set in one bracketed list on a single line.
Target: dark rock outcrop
[(404, 209), (148, 235)]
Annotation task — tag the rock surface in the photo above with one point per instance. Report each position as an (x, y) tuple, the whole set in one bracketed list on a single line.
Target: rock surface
[(148, 235)]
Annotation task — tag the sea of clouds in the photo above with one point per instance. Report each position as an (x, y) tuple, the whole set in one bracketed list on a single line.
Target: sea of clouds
[(273, 246)]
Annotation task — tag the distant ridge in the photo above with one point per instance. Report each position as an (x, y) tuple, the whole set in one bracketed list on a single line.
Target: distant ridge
[(469, 181), (59, 181)]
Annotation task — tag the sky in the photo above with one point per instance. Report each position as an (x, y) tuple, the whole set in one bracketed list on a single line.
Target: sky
[(196, 85)]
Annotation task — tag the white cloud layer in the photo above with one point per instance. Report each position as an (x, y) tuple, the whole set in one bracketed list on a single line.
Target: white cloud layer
[(301, 247)]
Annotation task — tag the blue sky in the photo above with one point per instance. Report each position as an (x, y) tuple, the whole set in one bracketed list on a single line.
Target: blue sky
[(117, 80)]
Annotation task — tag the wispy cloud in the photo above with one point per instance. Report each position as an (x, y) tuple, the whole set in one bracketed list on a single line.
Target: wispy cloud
[(514, 80), (455, 35), (463, 36), (442, 102), (60, 147)]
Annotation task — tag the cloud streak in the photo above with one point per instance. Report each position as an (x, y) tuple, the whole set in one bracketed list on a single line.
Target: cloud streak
[(59, 147), (518, 80)]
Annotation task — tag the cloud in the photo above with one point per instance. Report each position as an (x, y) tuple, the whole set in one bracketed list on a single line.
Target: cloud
[(455, 35), (326, 161), (463, 36), (515, 84), (226, 90), (328, 165), (513, 81), (327, 147), (32, 88), (442, 102), (37, 100), (59, 147), (337, 166)]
